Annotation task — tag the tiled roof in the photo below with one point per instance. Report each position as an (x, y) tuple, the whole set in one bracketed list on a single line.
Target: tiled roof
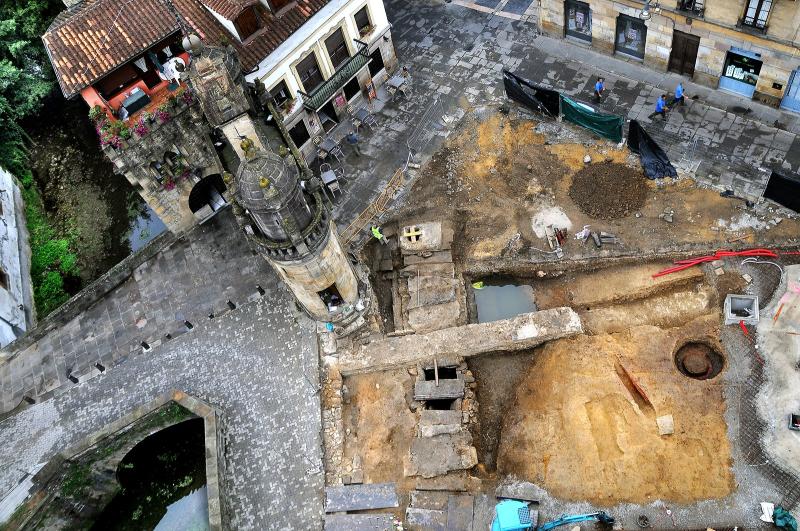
[(90, 40), (229, 9)]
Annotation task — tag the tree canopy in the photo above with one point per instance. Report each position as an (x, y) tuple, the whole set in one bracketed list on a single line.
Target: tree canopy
[(25, 72), (26, 77)]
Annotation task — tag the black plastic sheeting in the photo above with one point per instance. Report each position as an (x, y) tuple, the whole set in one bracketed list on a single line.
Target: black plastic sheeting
[(784, 190), (532, 96), (655, 162)]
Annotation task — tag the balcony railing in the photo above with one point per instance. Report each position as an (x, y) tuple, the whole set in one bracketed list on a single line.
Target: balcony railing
[(328, 88), (693, 7)]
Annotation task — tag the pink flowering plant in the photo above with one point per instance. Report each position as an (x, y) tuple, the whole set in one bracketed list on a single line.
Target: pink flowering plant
[(112, 133), (163, 115), (182, 173), (141, 128), (186, 95)]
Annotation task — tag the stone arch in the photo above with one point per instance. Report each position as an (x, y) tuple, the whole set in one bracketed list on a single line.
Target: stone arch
[(206, 197)]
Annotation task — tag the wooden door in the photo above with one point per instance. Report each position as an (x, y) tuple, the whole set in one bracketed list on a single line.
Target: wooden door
[(684, 53)]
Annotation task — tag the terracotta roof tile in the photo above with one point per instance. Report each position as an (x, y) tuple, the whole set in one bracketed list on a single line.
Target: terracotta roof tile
[(229, 9), (88, 41)]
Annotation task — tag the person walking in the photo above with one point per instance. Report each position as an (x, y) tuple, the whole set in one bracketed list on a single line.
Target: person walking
[(679, 96), (378, 235), (661, 107), (352, 139), (599, 87)]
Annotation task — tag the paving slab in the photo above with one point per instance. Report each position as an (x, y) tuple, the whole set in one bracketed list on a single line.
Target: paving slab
[(359, 522), (459, 512), (343, 498)]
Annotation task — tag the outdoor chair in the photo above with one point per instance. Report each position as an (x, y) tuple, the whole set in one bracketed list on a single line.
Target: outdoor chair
[(337, 152), (334, 187)]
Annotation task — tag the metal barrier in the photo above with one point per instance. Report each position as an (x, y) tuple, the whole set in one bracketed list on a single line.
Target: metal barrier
[(377, 207), (430, 123)]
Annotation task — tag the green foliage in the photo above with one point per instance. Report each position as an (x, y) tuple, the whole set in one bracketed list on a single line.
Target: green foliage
[(25, 72), (25, 78), (77, 480), (51, 256), (97, 113)]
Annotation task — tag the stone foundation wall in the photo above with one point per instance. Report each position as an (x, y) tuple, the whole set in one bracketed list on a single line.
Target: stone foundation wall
[(187, 131)]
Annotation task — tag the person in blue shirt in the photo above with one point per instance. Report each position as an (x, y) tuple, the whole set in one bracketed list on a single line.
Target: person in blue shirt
[(679, 95), (661, 107), (352, 139), (599, 87)]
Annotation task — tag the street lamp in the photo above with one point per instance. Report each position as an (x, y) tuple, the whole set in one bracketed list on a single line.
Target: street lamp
[(645, 14)]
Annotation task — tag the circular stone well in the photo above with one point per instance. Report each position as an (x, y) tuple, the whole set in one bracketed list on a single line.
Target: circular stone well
[(699, 360)]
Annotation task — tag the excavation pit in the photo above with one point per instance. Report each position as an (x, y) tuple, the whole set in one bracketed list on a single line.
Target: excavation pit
[(699, 360)]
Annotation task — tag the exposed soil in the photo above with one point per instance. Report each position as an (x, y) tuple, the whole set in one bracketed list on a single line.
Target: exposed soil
[(578, 430), (608, 190), (497, 375), (496, 174), (380, 425)]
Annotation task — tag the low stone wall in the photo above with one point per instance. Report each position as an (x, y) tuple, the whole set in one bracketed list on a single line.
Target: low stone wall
[(524, 331), (89, 295)]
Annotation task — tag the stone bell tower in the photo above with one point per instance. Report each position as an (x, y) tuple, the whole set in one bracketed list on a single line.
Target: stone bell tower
[(288, 225), (293, 231)]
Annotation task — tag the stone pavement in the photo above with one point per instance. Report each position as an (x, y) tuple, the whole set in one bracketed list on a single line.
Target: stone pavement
[(257, 365), (190, 280)]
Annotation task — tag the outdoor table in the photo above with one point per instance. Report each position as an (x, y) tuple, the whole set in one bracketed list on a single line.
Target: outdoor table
[(360, 116), (136, 101), (325, 147), (396, 84), (328, 177)]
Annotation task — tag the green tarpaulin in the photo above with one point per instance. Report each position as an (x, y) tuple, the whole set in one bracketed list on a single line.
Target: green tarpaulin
[(605, 125)]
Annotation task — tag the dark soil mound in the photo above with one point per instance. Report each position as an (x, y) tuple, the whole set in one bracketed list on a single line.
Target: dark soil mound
[(608, 190)]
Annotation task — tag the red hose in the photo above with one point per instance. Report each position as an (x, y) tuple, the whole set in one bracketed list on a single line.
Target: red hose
[(680, 265)]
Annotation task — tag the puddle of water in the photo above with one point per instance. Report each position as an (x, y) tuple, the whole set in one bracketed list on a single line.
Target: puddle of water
[(502, 302), (144, 228), (190, 512)]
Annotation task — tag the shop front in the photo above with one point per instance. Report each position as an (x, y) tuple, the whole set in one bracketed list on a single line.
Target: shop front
[(631, 37), (791, 97), (741, 71), (578, 20)]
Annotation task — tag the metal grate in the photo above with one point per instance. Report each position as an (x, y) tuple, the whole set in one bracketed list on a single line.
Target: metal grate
[(524, 515)]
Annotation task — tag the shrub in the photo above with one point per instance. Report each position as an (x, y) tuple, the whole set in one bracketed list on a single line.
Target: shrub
[(52, 258)]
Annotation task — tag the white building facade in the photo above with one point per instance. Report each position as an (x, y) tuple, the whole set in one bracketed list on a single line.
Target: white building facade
[(16, 296), (334, 63)]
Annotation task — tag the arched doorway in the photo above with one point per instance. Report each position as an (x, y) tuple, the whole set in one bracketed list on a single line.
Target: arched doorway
[(206, 199)]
